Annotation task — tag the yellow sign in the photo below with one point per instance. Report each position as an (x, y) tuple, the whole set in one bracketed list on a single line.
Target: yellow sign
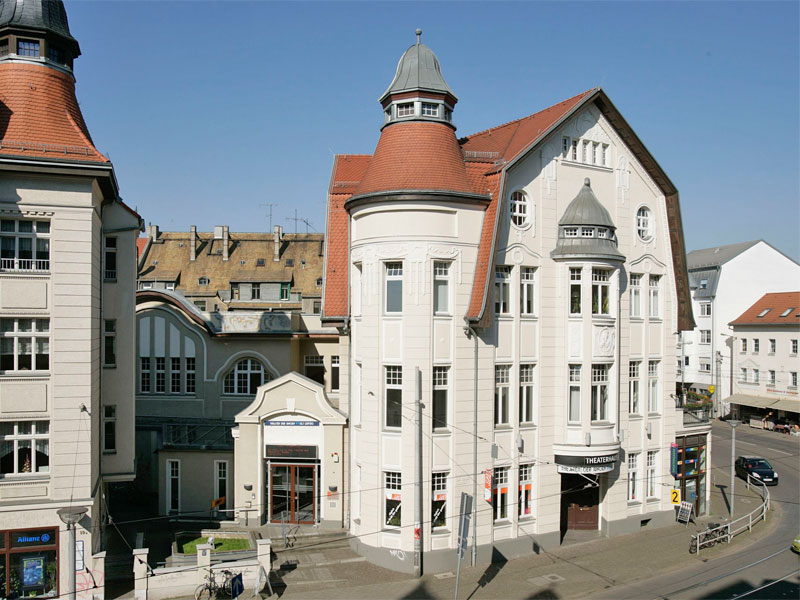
[(218, 502), (711, 389), (675, 496)]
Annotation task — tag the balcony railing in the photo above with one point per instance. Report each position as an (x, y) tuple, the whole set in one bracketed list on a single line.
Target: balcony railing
[(24, 264), (696, 416)]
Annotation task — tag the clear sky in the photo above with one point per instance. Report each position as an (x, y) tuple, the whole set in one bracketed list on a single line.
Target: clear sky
[(210, 110)]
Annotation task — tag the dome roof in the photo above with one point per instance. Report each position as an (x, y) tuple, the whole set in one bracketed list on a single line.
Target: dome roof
[(418, 69), (586, 209), (48, 15)]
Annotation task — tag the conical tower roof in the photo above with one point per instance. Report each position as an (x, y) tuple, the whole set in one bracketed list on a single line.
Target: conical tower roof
[(38, 15), (418, 69)]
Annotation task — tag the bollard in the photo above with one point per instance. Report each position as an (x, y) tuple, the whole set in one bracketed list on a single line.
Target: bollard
[(203, 561), (140, 573), (265, 561)]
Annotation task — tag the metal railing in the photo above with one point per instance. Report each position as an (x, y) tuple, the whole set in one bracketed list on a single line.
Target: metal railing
[(728, 531), (696, 416)]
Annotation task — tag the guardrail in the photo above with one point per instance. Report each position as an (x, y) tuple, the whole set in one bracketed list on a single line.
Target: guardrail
[(728, 531)]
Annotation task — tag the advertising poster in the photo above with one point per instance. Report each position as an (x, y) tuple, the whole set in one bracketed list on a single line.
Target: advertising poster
[(33, 572)]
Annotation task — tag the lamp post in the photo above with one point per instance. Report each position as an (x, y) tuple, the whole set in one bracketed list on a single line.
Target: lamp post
[(70, 516), (733, 423)]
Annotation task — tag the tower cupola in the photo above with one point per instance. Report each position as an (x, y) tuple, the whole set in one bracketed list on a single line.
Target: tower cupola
[(418, 91), (36, 31), (585, 230)]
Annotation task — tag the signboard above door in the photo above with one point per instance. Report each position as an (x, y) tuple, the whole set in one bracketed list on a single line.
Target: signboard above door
[(273, 451)]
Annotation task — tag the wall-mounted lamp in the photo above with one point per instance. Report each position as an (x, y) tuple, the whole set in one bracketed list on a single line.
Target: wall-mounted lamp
[(248, 486)]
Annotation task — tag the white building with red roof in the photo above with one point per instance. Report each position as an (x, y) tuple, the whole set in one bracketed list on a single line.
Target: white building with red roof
[(526, 282), (67, 280), (763, 374)]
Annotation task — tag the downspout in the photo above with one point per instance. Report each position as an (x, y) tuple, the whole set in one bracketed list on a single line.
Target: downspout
[(470, 332)]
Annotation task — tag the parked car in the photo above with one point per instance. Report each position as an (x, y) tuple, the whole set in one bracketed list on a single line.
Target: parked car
[(759, 468), (796, 544)]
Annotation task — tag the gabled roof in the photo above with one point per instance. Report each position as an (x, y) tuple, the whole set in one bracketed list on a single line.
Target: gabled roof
[(40, 117), (717, 256), (781, 309)]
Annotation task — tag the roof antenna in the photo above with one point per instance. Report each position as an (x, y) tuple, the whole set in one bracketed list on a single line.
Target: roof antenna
[(419, 35)]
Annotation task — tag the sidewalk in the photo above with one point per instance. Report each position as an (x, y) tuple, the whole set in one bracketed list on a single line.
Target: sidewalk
[(573, 571)]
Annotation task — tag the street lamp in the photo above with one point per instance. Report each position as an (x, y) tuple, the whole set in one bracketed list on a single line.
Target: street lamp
[(733, 423), (70, 516)]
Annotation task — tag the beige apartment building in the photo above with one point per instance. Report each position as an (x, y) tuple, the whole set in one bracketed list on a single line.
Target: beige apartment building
[(526, 284), (67, 275)]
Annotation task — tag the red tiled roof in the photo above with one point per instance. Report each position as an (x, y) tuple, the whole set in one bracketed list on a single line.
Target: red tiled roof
[(485, 251), (778, 304), (348, 170), (141, 243), (40, 116), (511, 138), (416, 156)]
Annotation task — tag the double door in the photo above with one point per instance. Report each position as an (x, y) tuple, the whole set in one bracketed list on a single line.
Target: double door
[(293, 493)]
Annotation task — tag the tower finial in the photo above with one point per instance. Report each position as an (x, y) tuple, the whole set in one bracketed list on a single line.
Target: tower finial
[(419, 35)]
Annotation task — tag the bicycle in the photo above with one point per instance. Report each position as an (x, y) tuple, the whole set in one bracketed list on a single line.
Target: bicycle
[(708, 538), (209, 589)]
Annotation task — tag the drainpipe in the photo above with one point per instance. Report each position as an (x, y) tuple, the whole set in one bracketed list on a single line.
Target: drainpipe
[(470, 332)]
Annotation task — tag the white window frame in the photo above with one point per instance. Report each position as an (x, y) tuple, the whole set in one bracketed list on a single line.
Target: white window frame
[(145, 375), (653, 382), (575, 283), (10, 241), (190, 376), (502, 387), (25, 337), (405, 110), (635, 285), (652, 473), (500, 512), (29, 440), (600, 385), (110, 265), (441, 282), (527, 291), (771, 380), (430, 109), (218, 478), (756, 345), (520, 209), (335, 374), (527, 402), (525, 497), (705, 365), (175, 375), (439, 494), (644, 224), (772, 346), (756, 376), (171, 475), (393, 381), (705, 336), (634, 385), (392, 286), (502, 290), (744, 345), (654, 289), (393, 492), (633, 475), (161, 375), (601, 292), (571, 232), (742, 374), (793, 379), (705, 309), (240, 373), (793, 347), (441, 394), (575, 393)]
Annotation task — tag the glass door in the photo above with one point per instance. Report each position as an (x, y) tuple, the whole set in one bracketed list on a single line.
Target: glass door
[(293, 496)]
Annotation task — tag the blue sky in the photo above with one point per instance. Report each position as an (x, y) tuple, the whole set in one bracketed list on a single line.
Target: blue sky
[(211, 109)]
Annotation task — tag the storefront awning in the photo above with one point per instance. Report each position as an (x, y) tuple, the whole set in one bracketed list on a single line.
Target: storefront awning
[(753, 401), (787, 404)]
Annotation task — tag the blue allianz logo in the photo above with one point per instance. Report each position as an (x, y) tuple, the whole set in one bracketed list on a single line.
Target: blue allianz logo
[(45, 537)]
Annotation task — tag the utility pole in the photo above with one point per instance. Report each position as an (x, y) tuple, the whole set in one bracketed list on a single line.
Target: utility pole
[(418, 502), (719, 379)]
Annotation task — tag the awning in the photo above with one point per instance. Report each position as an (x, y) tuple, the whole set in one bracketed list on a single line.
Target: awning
[(787, 404), (754, 401)]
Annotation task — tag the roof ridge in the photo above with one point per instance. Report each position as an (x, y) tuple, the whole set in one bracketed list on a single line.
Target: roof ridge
[(516, 121)]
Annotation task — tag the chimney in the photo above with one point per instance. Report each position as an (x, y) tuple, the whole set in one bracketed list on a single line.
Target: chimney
[(225, 236), (152, 231), (193, 243), (277, 234)]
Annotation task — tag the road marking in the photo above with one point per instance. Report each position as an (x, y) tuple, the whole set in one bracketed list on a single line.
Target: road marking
[(768, 447)]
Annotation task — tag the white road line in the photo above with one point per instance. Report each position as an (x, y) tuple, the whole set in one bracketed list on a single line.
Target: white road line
[(762, 446)]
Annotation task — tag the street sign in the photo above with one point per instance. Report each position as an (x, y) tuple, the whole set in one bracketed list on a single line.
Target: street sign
[(673, 459), (237, 586), (465, 515), (711, 389), (675, 496), (218, 502)]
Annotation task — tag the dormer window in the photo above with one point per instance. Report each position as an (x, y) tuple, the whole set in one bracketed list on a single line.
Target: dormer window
[(587, 232), (4, 47), (289, 262), (430, 110), (28, 48), (764, 312), (405, 110), (602, 232), (203, 281), (570, 232), (55, 54), (703, 284), (260, 262), (448, 114), (787, 312)]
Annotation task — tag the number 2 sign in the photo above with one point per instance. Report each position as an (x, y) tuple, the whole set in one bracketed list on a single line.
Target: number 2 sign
[(675, 496)]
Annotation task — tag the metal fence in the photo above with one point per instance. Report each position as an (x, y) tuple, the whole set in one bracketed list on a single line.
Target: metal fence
[(728, 531)]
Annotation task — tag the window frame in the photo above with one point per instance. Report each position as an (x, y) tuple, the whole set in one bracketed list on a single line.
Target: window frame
[(502, 290), (633, 476), (652, 474), (525, 498), (654, 296), (634, 387), (393, 286), (440, 401), (39, 239), (110, 258), (575, 380), (393, 492), (109, 424), (644, 224), (527, 291), (441, 280), (335, 372), (173, 475), (30, 441), (502, 390), (519, 208), (237, 374), (37, 339), (600, 396), (705, 336), (404, 110), (527, 390), (145, 375), (575, 284), (653, 383), (432, 109), (439, 500), (392, 383), (500, 512), (190, 375), (705, 309), (635, 285), (601, 292)]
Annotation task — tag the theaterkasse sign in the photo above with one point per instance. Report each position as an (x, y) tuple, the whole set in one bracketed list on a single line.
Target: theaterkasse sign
[(602, 463)]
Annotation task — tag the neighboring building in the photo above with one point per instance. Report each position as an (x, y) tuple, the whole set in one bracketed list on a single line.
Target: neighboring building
[(218, 316), (725, 281), (765, 364), (220, 272), (533, 274), (67, 278)]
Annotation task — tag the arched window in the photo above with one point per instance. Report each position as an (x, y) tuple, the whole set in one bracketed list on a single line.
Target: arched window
[(644, 225), (520, 209), (245, 377)]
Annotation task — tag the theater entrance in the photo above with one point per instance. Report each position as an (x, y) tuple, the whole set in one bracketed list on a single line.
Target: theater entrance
[(580, 505), (292, 493)]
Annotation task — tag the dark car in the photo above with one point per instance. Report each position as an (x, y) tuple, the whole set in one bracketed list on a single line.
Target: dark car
[(759, 468)]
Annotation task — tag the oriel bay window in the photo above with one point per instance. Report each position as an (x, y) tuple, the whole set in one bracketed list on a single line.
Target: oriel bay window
[(393, 499), (24, 447), (599, 392), (439, 500), (24, 245), (501, 386), (601, 303), (393, 393), (500, 493), (24, 344)]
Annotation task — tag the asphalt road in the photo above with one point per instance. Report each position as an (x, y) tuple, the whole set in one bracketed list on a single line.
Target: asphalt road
[(765, 569)]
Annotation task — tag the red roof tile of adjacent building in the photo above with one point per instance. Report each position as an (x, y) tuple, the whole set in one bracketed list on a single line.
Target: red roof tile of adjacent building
[(141, 244), (40, 117), (417, 155), (781, 309)]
